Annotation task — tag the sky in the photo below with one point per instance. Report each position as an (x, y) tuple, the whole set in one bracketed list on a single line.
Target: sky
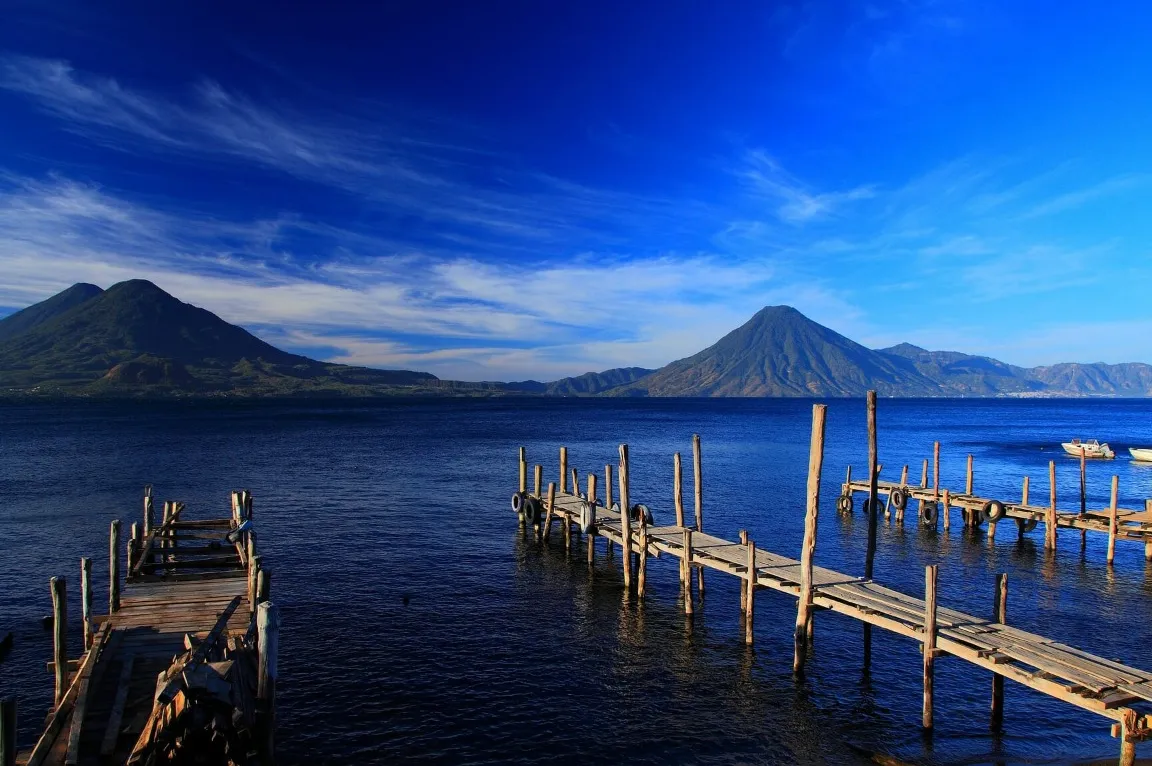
[(509, 190)]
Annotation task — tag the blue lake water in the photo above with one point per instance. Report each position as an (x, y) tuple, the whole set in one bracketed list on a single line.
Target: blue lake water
[(508, 651)]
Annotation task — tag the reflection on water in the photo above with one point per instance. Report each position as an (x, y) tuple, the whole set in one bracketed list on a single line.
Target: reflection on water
[(420, 626)]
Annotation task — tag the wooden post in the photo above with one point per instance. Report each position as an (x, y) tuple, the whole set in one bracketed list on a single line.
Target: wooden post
[(1128, 738), (1083, 496), (149, 511), (263, 585), (114, 567), (591, 535), (1000, 615), (936, 470), (59, 587), (133, 546), (1148, 540), (625, 520), (873, 479), (686, 570), (8, 731), (86, 600), (903, 483), (968, 478), (608, 504), (1024, 492), (642, 570), (563, 469), (546, 532), (678, 489), (537, 479), (523, 470), (807, 552), (253, 580), (743, 582), (698, 471), (944, 507), (930, 573), (575, 481), (924, 476), (268, 638), (1113, 524), (1050, 516), (749, 615)]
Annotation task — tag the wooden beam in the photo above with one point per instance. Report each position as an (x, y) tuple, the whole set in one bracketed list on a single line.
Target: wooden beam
[(116, 716), (546, 531), (808, 551)]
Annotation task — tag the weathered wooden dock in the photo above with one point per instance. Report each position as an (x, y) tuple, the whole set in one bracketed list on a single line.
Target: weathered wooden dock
[(1112, 690), (182, 668), (934, 504)]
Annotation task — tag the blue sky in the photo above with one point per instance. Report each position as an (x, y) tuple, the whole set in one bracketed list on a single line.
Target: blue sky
[(505, 190)]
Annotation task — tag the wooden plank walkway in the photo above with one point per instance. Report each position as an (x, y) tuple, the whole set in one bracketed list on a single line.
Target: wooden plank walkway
[(183, 625), (1113, 690)]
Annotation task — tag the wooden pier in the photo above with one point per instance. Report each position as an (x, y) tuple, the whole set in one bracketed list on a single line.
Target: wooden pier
[(1112, 690), (182, 668), (934, 504)]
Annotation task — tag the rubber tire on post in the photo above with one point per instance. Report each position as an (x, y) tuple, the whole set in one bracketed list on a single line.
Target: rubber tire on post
[(899, 498), (929, 513), (517, 502), (1026, 525), (616, 506), (992, 511), (587, 517), (532, 510), (844, 504), (876, 505), (641, 511)]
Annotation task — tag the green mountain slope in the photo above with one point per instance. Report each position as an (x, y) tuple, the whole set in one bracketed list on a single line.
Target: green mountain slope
[(25, 319)]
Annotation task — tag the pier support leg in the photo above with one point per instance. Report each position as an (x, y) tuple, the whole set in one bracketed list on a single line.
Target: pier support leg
[(1113, 523), (86, 600), (537, 479), (625, 519), (642, 569), (698, 470), (1129, 736), (268, 638), (744, 582), (930, 574), (808, 551), (1000, 615), (547, 531), (686, 570), (873, 480), (749, 616), (60, 634), (114, 567), (945, 510), (8, 731), (563, 468), (522, 484), (1050, 514)]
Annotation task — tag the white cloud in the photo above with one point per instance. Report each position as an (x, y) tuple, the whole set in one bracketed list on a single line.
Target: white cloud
[(795, 203)]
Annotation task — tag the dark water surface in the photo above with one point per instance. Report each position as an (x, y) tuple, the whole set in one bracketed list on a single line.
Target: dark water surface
[(509, 652)]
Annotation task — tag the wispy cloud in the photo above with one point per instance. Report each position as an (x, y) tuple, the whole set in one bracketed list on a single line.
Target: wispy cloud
[(794, 202)]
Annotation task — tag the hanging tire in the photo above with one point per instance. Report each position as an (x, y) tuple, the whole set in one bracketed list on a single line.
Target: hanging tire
[(876, 506), (533, 512), (1026, 525), (641, 512), (587, 517), (844, 504), (616, 506), (517, 502), (992, 511), (929, 513), (899, 497)]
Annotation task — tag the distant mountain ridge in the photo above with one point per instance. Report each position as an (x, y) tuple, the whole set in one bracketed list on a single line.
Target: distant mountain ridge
[(134, 338)]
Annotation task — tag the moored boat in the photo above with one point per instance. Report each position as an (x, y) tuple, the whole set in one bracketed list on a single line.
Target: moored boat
[(1089, 449), (1143, 455)]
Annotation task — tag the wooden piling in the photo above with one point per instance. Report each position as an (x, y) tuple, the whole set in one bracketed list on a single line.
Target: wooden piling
[(254, 566), (936, 470), (537, 479), (642, 569), (678, 489), (608, 504), (1050, 514), (546, 530), (59, 587), (749, 614), (808, 551), (686, 570), (903, 483), (1128, 738), (591, 535), (133, 545), (625, 520), (1024, 492), (873, 479), (698, 471), (1113, 525), (263, 585), (8, 731), (1000, 615), (86, 600), (743, 582), (924, 475), (968, 478), (575, 481), (149, 510), (945, 505), (563, 468), (114, 567), (1083, 495), (930, 575), (268, 641), (523, 470)]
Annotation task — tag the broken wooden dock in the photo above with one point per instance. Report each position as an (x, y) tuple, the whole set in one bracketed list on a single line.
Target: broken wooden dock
[(934, 504), (182, 668), (1112, 690)]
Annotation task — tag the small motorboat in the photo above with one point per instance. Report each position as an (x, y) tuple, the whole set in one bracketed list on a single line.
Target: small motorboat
[(1143, 455), (1089, 449)]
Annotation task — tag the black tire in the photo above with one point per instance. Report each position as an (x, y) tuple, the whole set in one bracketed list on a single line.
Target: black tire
[(517, 502), (929, 513), (899, 498), (844, 504), (992, 511), (1026, 525), (532, 510), (641, 512), (876, 506)]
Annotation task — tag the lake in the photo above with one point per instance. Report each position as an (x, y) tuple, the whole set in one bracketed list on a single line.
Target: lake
[(419, 626)]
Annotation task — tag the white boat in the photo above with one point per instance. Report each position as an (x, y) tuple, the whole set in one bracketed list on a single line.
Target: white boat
[(1143, 455), (1090, 449)]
